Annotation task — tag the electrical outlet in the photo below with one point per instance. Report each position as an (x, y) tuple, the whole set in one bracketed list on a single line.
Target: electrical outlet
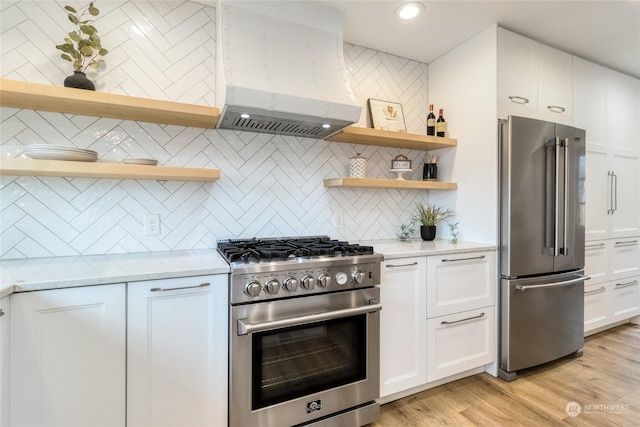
[(151, 224), (338, 219)]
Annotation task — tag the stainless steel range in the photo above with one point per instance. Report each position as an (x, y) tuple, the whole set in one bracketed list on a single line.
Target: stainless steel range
[(304, 335)]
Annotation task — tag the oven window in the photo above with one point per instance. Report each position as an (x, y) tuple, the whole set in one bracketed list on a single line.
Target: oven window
[(292, 362)]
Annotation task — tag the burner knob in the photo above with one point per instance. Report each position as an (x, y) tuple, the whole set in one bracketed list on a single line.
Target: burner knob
[(308, 282), (272, 287), (324, 280), (252, 288), (358, 277), (291, 284)]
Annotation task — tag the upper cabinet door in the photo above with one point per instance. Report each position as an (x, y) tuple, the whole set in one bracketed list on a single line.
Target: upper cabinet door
[(517, 69), (554, 81), (590, 100), (622, 112)]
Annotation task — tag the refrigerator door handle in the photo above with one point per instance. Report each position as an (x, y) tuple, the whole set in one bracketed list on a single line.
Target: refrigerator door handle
[(610, 177), (615, 192), (556, 214), (564, 250), (553, 285)]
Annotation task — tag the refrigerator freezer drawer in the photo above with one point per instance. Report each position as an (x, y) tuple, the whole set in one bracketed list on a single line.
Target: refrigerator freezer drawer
[(542, 320)]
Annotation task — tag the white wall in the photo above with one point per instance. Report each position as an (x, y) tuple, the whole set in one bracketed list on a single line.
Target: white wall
[(463, 83), (270, 185)]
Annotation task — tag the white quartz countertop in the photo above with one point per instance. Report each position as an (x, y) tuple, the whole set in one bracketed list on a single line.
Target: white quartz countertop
[(397, 249), (22, 275), (34, 274)]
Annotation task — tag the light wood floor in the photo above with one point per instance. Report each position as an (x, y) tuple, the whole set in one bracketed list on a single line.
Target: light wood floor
[(607, 374)]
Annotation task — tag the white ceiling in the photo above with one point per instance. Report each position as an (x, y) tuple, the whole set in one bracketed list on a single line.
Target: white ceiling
[(603, 31)]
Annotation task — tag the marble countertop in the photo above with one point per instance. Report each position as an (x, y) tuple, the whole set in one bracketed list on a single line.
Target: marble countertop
[(22, 275), (33, 274)]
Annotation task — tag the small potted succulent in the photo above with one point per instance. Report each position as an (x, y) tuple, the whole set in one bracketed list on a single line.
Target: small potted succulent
[(428, 217), (82, 47)]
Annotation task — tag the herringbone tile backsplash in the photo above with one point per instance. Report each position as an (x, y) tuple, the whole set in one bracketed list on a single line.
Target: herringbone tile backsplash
[(270, 185)]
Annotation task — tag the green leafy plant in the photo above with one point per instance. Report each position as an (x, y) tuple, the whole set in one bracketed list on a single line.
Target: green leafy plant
[(406, 231), (431, 214), (453, 232), (82, 47)]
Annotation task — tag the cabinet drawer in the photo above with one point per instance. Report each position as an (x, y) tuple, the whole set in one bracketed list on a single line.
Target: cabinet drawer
[(596, 306), (459, 342), (596, 261), (625, 258), (625, 298), (460, 282)]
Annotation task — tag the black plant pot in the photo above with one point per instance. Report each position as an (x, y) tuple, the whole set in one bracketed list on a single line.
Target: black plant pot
[(79, 80), (428, 232)]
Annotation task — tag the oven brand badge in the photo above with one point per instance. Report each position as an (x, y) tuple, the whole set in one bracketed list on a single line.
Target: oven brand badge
[(314, 406)]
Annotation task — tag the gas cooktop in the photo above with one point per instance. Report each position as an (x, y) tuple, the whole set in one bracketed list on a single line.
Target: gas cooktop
[(286, 248)]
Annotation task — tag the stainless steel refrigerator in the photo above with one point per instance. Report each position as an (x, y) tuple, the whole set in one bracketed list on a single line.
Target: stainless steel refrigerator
[(542, 196)]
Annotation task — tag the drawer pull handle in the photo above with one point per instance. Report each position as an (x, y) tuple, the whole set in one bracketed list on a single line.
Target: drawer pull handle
[(445, 322), (201, 285), (624, 285), (597, 245), (463, 259), (519, 99), (401, 265), (555, 108), (595, 291), (628, 242)]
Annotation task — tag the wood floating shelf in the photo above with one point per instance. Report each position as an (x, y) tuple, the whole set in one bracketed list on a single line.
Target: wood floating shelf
[(385, 138), (389, 183), (34, 96), (61, 168)]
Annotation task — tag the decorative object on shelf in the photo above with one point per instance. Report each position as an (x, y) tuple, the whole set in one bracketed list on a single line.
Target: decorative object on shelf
[(148, 162), (83, 47), (406, 232), (358, 166), (430, 169), (428, 217), (60, 152), (453, 232), (386, 115), (400, 165)]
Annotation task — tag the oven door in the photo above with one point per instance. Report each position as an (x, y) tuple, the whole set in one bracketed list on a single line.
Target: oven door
[(303, 359)]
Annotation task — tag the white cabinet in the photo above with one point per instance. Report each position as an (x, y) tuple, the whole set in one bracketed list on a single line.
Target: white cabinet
[(461, 312), (460, 342), (607, 107), (177, 351), (4, 361), (612, 293), (403, 324), (68, 357), (534, 80)]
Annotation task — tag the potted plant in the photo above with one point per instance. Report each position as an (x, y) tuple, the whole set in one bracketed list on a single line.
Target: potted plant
[(428, 217), (82, 47)]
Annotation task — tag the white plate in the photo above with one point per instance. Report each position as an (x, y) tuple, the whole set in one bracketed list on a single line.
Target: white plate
[(42, 155), (146, 162), (59, 148)]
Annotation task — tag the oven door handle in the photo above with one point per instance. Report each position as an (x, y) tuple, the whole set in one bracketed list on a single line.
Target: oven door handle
[(244, 327)]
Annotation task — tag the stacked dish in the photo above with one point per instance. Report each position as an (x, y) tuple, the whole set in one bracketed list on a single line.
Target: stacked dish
[(60, 152), (148, 162)]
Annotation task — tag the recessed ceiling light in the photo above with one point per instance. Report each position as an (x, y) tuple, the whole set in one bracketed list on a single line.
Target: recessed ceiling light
[(409, 10)]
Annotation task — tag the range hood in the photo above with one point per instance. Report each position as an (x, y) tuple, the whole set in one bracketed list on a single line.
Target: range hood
[(280, 69)]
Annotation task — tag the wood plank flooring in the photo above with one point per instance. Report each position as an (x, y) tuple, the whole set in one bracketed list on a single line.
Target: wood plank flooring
[(605, 382)]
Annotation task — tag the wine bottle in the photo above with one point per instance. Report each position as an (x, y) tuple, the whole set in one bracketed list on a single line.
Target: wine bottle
[(431, 121), (441, 126)]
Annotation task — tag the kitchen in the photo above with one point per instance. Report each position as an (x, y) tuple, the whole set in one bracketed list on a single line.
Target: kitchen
[(270, 185)]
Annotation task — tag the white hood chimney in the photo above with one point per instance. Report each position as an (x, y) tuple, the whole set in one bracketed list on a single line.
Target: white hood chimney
[(278, 76)]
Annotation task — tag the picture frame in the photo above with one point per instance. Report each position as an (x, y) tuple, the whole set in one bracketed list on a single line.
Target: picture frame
[(386, 115)]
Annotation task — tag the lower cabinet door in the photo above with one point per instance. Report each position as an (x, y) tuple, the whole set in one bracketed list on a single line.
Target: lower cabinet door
[(625, 298), (596, 306), (68, 357), (177, 352), (459, 342), (403, 325)]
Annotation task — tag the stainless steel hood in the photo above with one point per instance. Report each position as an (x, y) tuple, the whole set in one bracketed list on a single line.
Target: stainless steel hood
[(280, 69)]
